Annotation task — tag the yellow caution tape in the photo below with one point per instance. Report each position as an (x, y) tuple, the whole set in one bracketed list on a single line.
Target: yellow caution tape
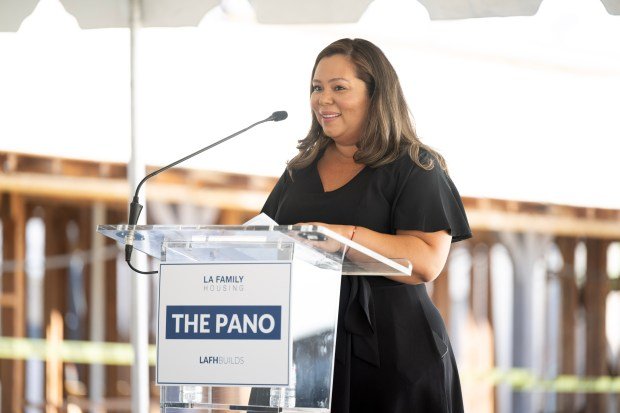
[(523, 379), (121, 354), (87, 352)]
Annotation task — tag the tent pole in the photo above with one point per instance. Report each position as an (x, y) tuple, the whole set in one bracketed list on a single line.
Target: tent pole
[(97, 314), (139, 283)]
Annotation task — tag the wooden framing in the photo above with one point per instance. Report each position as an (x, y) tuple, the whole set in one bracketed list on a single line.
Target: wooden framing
[(79, 180), (569, 306), (68, 189), (12, 299), (595, 288)]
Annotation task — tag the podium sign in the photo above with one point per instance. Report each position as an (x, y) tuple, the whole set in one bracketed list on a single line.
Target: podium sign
[(224, 323), (229, 338)]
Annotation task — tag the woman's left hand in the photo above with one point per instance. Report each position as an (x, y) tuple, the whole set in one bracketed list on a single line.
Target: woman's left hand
[(344, 230), (331, 245), (427, 251)]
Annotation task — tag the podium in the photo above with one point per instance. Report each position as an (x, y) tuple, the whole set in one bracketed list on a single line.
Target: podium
[(247, 315)]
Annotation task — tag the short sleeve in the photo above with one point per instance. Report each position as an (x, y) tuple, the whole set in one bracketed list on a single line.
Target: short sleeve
[(429, 201), (273, 200)]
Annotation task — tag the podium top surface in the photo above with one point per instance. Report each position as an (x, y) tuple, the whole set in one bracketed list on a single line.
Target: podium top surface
[(314, 244)]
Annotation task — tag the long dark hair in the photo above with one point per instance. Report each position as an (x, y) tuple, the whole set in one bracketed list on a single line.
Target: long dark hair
[(389, 129)]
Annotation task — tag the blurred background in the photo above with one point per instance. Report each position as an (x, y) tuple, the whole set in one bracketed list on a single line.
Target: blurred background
[(520, 96)]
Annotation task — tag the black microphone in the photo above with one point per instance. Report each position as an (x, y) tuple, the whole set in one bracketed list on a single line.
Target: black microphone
[(135, 208), (278, 116)]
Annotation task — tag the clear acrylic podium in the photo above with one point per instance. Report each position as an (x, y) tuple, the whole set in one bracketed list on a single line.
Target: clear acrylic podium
[(317, 256)]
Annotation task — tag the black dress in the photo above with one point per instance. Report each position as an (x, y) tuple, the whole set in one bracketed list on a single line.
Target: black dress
[(393, 354)]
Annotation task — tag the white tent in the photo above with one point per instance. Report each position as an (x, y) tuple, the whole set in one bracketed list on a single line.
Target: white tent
[(164, 13)]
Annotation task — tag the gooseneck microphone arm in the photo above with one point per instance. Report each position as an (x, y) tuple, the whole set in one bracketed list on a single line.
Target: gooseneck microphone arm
[(135, 208)]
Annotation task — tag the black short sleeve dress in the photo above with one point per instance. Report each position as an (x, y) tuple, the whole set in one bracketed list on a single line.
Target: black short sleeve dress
[(393, 354)]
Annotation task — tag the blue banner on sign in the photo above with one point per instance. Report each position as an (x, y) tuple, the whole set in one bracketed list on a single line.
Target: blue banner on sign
[(223, 322)]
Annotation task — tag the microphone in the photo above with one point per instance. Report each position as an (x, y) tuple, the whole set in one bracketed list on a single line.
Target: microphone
[(135, 208), (278, 116)]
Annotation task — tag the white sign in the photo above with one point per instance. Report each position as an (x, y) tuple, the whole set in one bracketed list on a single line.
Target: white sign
[(224, 324)]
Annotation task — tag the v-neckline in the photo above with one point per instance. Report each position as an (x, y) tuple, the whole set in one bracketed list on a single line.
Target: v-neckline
[(320, 180)]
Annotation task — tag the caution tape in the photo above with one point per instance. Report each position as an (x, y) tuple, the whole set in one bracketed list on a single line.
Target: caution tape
[(87, 352), (122, 354), (525, 380)]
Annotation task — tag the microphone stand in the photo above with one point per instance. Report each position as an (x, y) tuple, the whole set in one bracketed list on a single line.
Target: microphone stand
[(135, 207)]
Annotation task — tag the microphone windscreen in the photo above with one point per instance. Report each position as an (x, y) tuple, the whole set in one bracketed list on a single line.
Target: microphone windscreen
[(279, 115)]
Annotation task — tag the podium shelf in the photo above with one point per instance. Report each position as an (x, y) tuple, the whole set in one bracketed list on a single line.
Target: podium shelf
[(315, 245)]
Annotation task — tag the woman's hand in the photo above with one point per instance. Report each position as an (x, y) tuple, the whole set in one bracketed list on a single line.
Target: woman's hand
[(331, 245), (427, 251), (344, 230)]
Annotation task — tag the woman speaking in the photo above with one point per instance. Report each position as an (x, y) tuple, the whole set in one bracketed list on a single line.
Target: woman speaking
[(362, 172)]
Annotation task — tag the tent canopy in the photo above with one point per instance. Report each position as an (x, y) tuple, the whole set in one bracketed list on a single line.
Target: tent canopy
[(93, 14)]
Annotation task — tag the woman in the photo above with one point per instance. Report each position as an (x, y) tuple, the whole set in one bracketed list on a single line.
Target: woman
[(362, 172)]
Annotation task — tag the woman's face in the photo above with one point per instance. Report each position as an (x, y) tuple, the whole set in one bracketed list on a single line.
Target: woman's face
[(339, 99)]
